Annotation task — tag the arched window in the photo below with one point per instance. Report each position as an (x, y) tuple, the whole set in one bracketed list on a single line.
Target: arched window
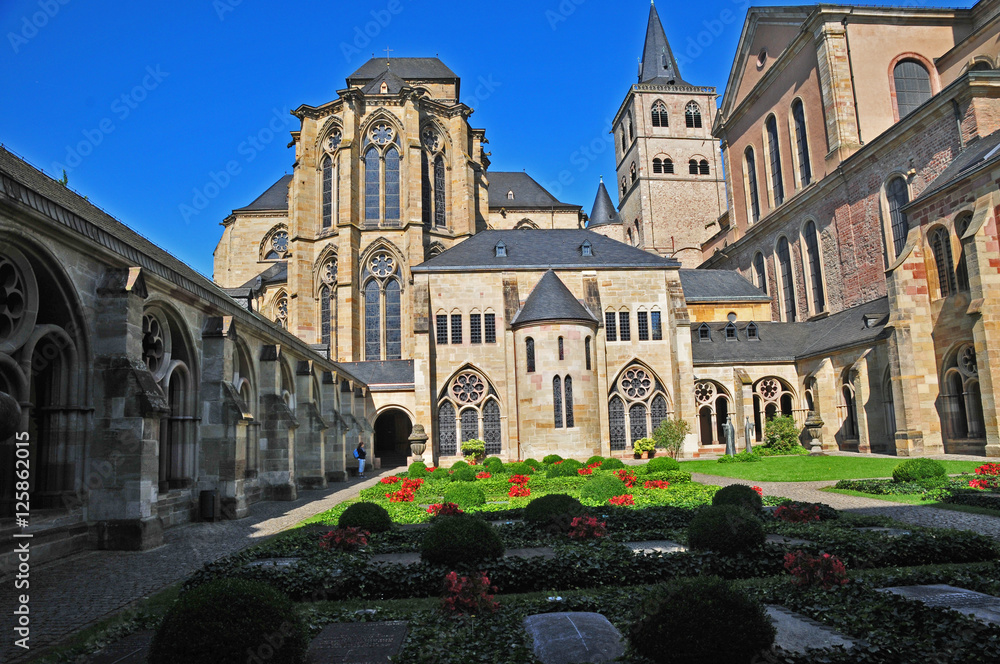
[(529, 354), (787, 284), (557, 410), (632, 172), (373, 317), (703, 167), (668, 166), (774, 155), (492, 434), (941, 247), (373, 183), (637, 421), (962, 416), (913, 86), (616, 424), (631, 132), (280, 310), (561, 353), (759, 272), (693, 167), (692, 116), (815, 268), (657, 411), (850, 417), (898, 195), (426, 191), (712, 402), (470, 424), (440, 205), (382, 298), (962, 272), (801, 142), (586, 351), (568, 386), (771, 397), (327, 192), (660, 114), (392, 187), (447, 436), (382, 177), (324, 316), (981, 65), (624, 140), (657, 166), (470, 394), (751, 170), (624, 184), (275, 246)]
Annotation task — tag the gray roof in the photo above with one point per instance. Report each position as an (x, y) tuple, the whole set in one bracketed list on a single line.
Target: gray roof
[(604, 211), (527, 192), (658, 64), (386, 373), (550, 300), (275, 198), (787, 342), (719, 286), (275, 274), (534, 249), (393, 84), (978, 152), (405, 68)]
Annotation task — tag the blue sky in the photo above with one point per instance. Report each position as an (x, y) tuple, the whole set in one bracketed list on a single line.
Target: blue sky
[(145, 103)]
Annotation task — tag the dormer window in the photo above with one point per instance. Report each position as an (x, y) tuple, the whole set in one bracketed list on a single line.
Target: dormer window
[(510, 195), (501, 249), (752, 334), (731, 332), (587, 249), (704, 332), (384, 89)]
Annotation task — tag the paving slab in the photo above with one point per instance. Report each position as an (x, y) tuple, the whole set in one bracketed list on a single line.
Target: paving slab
[(798, 633), (407, 558), (357, 643), (656, 546), (792, 541), (534, 552), (133, 649), (574, 638), (985, 608), (891, 532), (280, 563)]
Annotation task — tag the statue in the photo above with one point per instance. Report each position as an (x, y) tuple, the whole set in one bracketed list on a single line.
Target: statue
[(730, 432), (748, 432)]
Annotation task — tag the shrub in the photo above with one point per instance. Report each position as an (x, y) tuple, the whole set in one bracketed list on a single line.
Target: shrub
[(602, 488), (214, 623), (824, 571), (554, 509), (466, 474), (474, 448), (597, 458), (669, 436), (366, 516), (912, 470), (612, 464), (644, 445), (344, 539), (444, 509), (797, 514), (459, 464), (661, 465), (781, 434), (727, 529), (741, 457), (493, 464), (702, 620), (534, 463), (461, 540), (567, 468), (520, 468), (417, 469), (740, 495), (825, 511), (464, 495), (440, 474), (551, 459), (469, 594), (586, 527)]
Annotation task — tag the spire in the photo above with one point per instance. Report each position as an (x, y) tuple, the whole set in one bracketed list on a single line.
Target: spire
[(658, 64), (604, 210)]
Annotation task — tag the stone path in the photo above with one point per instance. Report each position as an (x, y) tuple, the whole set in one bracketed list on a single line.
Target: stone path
[(72, 593)]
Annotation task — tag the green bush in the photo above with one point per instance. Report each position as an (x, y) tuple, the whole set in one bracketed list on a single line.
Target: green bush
[(741, 457), (534, 463), (554, 511), (602, 487), (644, 445), (826, 513), (459, 464), (464, 495), (726, 529), (441, 474), (474, 448), (612, 464), (740, 495), (597, 458), (781, 435), (551, 458), (417, 469), (567, 468), (661, 465), (461, 540), (367, 516), (702, 620), (494, 464), (466, 474), (520, 468), (669, 436), (215, 624), (912, 470)]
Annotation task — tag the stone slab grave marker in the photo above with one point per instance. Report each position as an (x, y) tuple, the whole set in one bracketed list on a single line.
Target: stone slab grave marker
[(574, 638), (985, 608), (797, 633), (133, 649), (656, 546), (357, 643)]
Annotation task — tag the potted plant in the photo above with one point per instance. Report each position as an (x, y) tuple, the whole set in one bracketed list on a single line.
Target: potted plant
[(474, 449), (644, 448), (670, 435)]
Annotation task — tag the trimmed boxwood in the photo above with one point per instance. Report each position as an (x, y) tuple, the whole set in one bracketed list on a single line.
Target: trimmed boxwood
[(417, 469), (441, 474), (726, 529), (567, 468), (534, 463), (520, 468), (912, 470), (464, 495), (541, 510), (702, 620), (551, 458), (603, 487), (458, 464), (494, 464), (464, 474), (367, 516), (215, 624), (597, 458), (741, 495), (661, 465), (612, 464), (461, 540)]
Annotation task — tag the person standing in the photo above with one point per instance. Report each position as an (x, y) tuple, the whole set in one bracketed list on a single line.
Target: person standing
[(361, 456)]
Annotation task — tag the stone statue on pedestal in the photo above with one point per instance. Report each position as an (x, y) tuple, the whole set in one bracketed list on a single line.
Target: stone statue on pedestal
[(748, 432), (730, 432)]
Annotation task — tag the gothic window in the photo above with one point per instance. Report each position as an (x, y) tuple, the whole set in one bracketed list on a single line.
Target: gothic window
[(631, 132), (382, 177), (712, 403), (327, 304), (468, 388), (529, 353), (642, 322), (373, 327), (815, 266), (327, 192), (383, 307), (962, 272), (774, 156), (439, 192), (637, 421), (276, 246), (660, 114), (632, 172), (586, 351), (703, 167), (324, 315), (557, 410), (759, 272), (771, 397), (568, 386), (426, 191), (154, 342), (636, 383), (913, 86), (624, 331), (393, 321), (561, 353), (657, 166), (787, 284), (281, 310), (657, 411), (492, 434), (479, 414), (372, 186), (801, 142), (692, 116), (693, 167), (610, 326), (751, 171), (624, 184), (456, 328), (897, 195), (490, 321), (941, 246), (616, 421), (654, 319), (476, 328), (470, 424), (392, 187), (441, 321)]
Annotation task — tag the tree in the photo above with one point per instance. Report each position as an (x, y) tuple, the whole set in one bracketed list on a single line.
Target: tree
[(670, 434)]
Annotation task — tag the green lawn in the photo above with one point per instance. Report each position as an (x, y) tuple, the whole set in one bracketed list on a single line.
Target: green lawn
[(808, 469), (917, 499)]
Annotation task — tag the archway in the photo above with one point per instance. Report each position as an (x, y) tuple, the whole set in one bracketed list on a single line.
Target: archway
[(392, 432)]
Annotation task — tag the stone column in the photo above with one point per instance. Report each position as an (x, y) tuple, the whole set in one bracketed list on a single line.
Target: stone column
[(278, 424), (333, 441), (678, 324), (309, 449)]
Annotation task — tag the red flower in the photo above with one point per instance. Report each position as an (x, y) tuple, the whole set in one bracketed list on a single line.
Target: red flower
[(468, 594), (585, 471), (413, 484), (586, 527), (345, 539), (825, 571), (989, 469), (979, 484), (389, 480), (558, 462), (430, 469), (519, 479), (444, 509), (797, 514), (483, 475), (622, 501), (627, 476), (596, 464), (760, 492), (519, 491), (656, 484)]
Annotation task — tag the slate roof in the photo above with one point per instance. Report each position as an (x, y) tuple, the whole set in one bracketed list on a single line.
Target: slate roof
[(978, 152), (405, 68), (658, 64), (275, 198), (386, 374), (393, 84), (533, 249), (604, 211), (719, 286), (527, 192), (275, 274), (787, 342), (551, 300)]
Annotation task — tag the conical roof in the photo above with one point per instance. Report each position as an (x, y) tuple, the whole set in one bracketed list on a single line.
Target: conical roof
[(550, 300), (658, 64), (604, 211)]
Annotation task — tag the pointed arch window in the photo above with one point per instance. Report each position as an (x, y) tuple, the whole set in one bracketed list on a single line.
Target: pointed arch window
[(941, 246), (447, 437), (492, 434), (660, 114), (616, 424), (913, 86), (751, 170), (327, 191), (382, 165), (470, 424), (657, 411), (373, 183), (439, 192), (568, 389), (557, 409), (774, 155), (529, 354), (962, 272), (898, 195), (801, 142), (637, 421), (324, 316), (633, 173), (815, 266), (692, 115), (759, 272), (426, 191), (787, 284), (383, 307), (275, 246)]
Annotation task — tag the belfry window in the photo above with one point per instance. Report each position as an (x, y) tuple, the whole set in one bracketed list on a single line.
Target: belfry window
[(692, 116)]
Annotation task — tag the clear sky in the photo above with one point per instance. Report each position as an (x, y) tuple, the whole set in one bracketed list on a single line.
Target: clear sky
[(145, 103)]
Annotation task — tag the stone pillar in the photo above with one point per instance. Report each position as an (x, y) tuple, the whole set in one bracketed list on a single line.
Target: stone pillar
[(310, 452), (834, 69), (278, 424), (862, 394), (678, 329), (333, 441)]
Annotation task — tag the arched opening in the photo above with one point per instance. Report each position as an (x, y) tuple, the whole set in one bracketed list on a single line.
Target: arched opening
[(392, 433)]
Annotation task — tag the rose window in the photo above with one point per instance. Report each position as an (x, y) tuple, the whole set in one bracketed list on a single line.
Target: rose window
[(280, 242), (431, 139), (468, 388), (12, 299), (967, 361), (333, 141), (769, 389), (704, 392), (382, 134), (636, 383), (382, 265), (329, 272), (152, 343)]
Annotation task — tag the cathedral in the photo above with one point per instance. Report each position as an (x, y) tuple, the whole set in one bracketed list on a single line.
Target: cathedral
[(821, 242)]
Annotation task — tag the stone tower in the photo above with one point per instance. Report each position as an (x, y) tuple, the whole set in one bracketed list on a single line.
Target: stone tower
[(670, 179)]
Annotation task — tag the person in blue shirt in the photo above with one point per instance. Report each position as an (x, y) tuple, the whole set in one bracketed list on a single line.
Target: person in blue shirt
[(362, 455)]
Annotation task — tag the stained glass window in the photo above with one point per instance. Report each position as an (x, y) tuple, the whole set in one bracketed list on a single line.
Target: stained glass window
[(624, 331), (557, 401), (610, 327), (569, 402), (616, 422), (787, 285), (425, 191), (393, 334), (777, 187), (373, 317), (637, 421), (529, 352), (327, 192), (492, 433), (372, 186), (442, 329), (815, 273), (447, 444), (801, 142), (392, 187), (642, 321), (657, 411), (898, 196), (476, 328), (657, 327), (456, 328), (470, 424), (324, 315), (440, 204), (491, 328)]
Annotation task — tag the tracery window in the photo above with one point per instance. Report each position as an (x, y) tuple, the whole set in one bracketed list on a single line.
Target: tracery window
[(712, 401), (327, 304), (692, 115), (771, 397), (660, 114), (433, 180), (639, 394), (276, 246), (941, 247), (383, 307), (327, 191), (471, 396), (281, 311), (962, 416), (153, 342), (447, 437), (382, 177)]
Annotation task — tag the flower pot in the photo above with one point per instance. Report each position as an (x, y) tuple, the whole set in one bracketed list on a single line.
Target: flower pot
[(637, 455)]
